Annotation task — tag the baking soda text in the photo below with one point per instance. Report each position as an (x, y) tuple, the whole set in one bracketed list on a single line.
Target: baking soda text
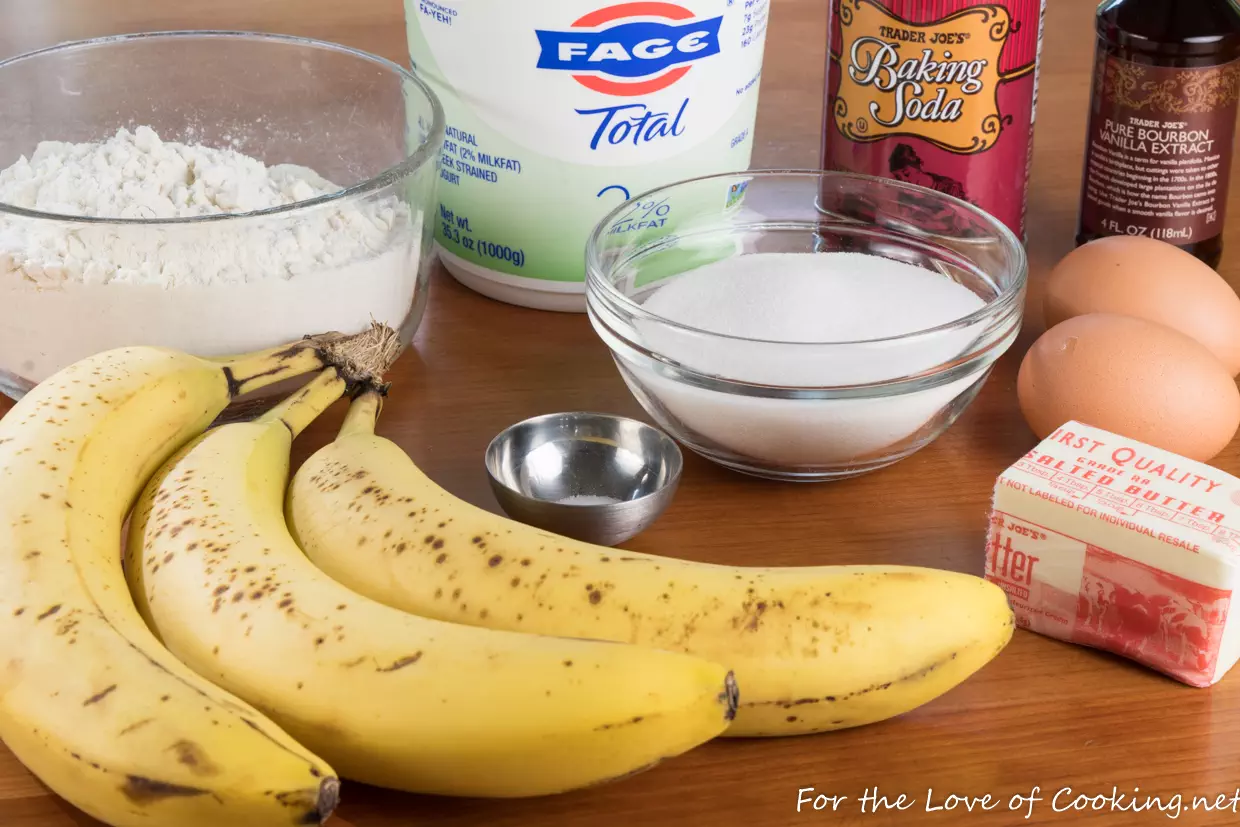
[(877, 63)]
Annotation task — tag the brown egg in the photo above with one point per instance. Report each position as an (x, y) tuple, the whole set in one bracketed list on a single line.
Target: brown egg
[(1134, 378), (1149, 279)]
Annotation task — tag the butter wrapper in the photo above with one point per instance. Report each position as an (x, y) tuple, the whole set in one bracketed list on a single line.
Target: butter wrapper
[(1110, 543)]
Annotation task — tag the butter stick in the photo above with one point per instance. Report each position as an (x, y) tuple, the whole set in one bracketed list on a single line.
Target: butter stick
[(1113, 544)]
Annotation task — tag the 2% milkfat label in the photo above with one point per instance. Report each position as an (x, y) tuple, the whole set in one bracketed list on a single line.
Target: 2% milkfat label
[(559, 111)]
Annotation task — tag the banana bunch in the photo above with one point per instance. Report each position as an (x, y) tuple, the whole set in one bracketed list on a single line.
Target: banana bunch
[(389, 698), (813, 649), (251, 641), (90, 701)]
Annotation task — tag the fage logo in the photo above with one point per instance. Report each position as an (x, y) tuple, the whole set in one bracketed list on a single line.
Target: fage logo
[(631, 49)]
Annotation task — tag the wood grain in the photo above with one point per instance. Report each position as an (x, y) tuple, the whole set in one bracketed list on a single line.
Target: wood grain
[(1044, 714)]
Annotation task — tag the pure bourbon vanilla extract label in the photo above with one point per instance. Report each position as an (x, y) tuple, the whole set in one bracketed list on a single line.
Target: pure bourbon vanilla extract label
[(939, 93), (1159, 154)]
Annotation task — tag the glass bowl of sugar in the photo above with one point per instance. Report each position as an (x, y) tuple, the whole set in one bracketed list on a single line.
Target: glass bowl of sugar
[(804, 325), (213, 192)]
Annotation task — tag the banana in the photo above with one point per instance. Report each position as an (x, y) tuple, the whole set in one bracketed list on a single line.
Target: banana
[(389, 698), (90, 701), (813, 649)]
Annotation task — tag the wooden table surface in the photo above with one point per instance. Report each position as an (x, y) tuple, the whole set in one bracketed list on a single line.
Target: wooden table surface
[(1044, 715)]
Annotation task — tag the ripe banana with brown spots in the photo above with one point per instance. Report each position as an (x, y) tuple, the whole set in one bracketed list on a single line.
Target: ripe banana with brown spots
[(813, 649), (90, 701), (389, 698)]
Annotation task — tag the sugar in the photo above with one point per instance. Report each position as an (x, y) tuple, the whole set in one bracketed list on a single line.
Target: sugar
[(795, 303), (810, 298), (588, 499)]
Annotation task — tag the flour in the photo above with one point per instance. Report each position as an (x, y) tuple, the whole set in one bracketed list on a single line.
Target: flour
[(68, 290)]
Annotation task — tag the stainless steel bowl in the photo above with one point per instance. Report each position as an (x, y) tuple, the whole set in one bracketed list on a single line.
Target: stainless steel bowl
[(593, 477)]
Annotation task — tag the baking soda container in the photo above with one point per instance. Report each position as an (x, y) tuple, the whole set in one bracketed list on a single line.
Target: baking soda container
[(559, 111), (939, 93)]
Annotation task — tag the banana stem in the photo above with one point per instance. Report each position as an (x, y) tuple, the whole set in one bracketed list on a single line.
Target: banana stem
[(364, 357), (253, 371), (305, 406), (363, 415)]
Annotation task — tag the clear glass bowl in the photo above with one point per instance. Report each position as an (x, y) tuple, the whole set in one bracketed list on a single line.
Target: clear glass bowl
[(72, 286), (745, 403)]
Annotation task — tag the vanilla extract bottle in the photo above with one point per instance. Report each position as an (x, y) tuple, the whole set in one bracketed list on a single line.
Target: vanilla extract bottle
[(1162, 123)]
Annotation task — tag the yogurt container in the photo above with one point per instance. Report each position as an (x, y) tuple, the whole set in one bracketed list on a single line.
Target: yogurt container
[(558, 111)]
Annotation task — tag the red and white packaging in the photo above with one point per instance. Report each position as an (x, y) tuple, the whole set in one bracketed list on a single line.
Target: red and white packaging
[(1110, 543)]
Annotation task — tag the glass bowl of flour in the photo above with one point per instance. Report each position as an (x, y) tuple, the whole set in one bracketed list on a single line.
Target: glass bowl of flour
[(213, 192), (804, 325)]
